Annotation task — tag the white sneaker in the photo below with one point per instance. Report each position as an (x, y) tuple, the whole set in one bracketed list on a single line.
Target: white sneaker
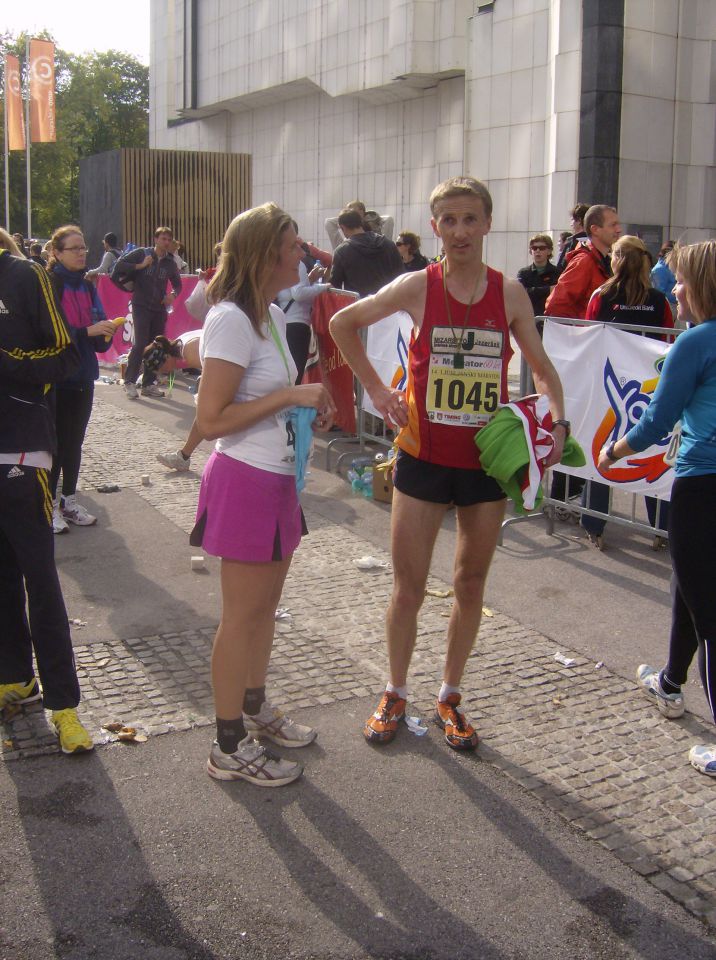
[(59, 524), (669, 705), (152, 390), (703, 758), (175, 460), (131, 390), (271, 724), (250, 761), (76, 513)]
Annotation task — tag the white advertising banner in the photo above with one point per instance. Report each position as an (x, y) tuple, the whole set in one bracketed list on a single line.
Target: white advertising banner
[(608, 377), (387, 349)]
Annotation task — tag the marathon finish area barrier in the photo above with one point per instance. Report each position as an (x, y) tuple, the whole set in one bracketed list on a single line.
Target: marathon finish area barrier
[(609, 373), (116, 303)]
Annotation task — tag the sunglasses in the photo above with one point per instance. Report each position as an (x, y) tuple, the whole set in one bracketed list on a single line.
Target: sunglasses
[(401, 243), (540, 247)]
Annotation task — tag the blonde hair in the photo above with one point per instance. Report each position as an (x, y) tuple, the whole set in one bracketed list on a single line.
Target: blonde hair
[(460, 187), (58, 238), (7, 243), (696, 265), (631, 264), (249, 255)]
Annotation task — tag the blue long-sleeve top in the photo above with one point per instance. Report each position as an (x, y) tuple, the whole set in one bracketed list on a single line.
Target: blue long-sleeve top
[(686, 391)]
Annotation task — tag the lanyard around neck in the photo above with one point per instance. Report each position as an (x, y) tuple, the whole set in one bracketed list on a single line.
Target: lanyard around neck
[(279, 347), (459, 359)]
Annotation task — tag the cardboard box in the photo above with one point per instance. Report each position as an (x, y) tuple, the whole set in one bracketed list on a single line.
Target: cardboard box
[(383, 486)]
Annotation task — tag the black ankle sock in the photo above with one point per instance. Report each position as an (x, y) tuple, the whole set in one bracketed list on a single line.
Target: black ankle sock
[(253, 700), (666, 685), (228, 734)]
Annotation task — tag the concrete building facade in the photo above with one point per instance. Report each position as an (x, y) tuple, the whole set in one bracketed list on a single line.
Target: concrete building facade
[(548, 101)]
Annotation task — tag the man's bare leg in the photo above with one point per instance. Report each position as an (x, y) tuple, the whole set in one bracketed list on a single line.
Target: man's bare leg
[(478, 529), (414, 529), (415, 525)]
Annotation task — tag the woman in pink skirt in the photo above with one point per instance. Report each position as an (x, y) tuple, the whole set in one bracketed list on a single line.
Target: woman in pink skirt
[(248, 512)]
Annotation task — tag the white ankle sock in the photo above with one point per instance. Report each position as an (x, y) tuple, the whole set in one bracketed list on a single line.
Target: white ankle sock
[(401, 691), (446, 690)]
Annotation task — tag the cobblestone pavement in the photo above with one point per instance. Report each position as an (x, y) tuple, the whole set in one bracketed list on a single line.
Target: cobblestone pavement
[(578, 737)]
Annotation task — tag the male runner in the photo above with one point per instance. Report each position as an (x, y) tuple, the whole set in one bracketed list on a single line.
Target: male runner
[(463, 312)]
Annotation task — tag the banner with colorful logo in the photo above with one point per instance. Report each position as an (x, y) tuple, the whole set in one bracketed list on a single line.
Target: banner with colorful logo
[(42, 91), (13, 104), (117, 303), (609, 377), (387, 349)]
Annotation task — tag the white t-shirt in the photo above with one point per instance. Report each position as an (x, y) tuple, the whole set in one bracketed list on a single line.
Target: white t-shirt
[(228, 335)]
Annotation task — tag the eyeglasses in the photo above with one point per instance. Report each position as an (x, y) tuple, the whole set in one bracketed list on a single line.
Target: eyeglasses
[(538, 247), (73, 250)]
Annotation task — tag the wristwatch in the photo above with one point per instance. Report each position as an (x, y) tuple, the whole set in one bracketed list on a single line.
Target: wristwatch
[(609, 452), (563, 423)]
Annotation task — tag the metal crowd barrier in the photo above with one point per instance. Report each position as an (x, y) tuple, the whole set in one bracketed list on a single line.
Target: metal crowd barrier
[(550, 505)]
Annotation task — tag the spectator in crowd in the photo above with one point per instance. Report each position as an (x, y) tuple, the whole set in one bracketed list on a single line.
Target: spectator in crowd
[(463, 313), (7, 242), (92, 333), (365, 261), (627, 297), (111, 255), (686, 392), (563, 238), (162, 355), (35, 253), (248, 512), (541, 275), (196, 303), (296, 303), (408, 245), (661, 276), (588, 265), (178, 252), (145, 272), (20, 241), (371, 222), (579, 232), (35, 349)]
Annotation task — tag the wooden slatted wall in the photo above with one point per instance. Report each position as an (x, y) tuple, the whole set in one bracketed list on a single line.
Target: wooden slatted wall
[(196, 194)]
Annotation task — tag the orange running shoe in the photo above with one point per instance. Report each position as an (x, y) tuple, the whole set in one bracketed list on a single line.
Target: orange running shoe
[(381, 726), (459, 732)]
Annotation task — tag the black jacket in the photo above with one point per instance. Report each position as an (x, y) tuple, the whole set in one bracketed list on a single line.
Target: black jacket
[(35, 350), (365, 263), (539, 285), (148, 286)]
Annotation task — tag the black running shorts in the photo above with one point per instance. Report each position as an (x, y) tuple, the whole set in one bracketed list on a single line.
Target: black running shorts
[(436, 484)]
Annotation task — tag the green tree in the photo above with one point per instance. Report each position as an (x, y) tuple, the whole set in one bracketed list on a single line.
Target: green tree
[(102, 103)]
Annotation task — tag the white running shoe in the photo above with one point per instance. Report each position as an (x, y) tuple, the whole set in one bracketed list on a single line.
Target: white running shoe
[(131, 390), (76, 513), (59, 524), (152, 390), (669, 705), (250, 761), (175, 460), (703, 758), (271, 724)]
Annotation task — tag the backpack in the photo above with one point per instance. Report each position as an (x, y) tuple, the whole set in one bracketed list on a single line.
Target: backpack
[(120, 274)]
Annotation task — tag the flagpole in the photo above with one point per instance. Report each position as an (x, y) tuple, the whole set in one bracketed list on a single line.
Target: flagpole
[(7, 162), (27, 139)]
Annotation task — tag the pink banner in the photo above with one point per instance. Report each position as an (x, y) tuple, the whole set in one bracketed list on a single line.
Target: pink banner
[(116, 304)]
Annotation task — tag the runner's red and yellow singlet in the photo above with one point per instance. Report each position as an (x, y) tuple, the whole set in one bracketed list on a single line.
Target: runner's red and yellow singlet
[(449, 402)]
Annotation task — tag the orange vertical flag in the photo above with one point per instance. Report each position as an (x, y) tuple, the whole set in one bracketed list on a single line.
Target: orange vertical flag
[(42, 91), (13, 104)]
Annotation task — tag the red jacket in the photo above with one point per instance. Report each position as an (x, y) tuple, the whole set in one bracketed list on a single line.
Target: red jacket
[(585, 271)]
